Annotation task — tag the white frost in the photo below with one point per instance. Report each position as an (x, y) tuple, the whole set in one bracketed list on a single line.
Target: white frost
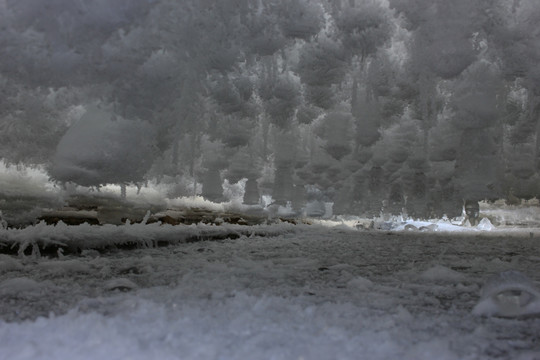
[(280, 291)]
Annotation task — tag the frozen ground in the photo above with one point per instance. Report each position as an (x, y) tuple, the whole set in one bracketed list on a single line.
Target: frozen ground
[(272, 292)]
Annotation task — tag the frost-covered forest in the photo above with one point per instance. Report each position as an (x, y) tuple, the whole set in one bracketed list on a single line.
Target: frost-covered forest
[(368, 104)]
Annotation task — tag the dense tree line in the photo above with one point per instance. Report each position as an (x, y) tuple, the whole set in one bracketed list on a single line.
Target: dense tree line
[(392, 105)]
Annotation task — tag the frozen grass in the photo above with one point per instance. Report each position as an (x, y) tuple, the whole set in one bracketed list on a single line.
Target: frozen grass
[(59, 239)]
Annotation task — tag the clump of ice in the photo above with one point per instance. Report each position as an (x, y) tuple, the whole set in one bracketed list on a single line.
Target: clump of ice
[(485, 225), (508, 294), (424, 226)]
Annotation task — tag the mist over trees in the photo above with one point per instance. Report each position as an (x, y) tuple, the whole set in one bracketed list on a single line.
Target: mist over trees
[(398, 105)]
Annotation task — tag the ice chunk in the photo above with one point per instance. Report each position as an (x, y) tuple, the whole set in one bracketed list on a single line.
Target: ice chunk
[(508, 294), (485, 224)]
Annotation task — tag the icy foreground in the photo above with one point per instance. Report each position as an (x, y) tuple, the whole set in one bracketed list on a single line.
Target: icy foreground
[(287, 292)]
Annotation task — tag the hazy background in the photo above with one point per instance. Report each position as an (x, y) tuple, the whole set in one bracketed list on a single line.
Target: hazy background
[(399, 104)]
